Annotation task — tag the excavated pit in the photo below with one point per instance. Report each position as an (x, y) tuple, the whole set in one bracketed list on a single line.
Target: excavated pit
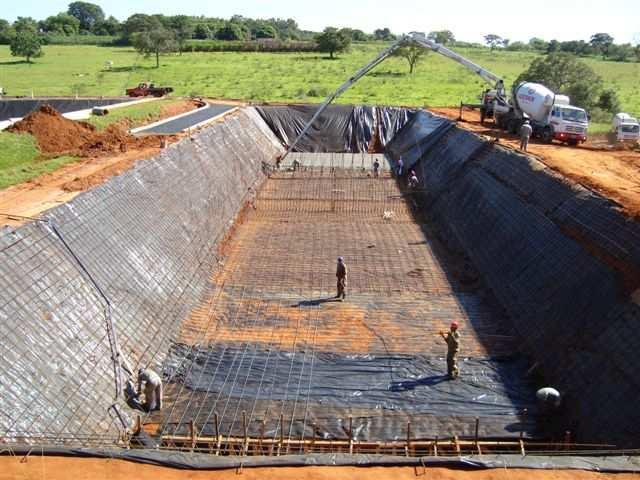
[(220, 272)]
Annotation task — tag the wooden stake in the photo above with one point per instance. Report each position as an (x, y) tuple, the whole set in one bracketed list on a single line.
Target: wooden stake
[(457, 444), (350, 435), (217, 432), (244, 431), (524, 415), (478, 435), (281, 433), (408, 449), (262, 427), (435, 447), (138, 426), (192, 434)]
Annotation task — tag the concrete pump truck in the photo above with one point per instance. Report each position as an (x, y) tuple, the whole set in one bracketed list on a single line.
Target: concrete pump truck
[(551, 116)]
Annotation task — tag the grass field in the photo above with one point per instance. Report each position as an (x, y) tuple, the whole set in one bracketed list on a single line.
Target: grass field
[(136, 115), (282, 77), (20, 159), (263, 77)]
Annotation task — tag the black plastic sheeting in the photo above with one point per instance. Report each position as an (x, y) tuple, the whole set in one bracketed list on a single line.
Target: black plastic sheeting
[(200, 461), (369, 384), (390, 382), (417, 136), (21, 107), (180, 124), (340, 128), (562, 260)]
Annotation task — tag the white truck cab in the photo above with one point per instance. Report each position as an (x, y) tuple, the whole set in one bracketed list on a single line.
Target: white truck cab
[(626, 128), (570, 123)]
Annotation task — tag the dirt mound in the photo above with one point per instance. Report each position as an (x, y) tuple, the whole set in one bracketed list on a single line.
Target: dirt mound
[(56, 134)]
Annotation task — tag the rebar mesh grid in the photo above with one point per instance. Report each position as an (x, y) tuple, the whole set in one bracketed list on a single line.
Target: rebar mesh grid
[(248, 359)]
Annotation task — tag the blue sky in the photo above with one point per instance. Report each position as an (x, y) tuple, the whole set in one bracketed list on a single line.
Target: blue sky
[(468, 19)]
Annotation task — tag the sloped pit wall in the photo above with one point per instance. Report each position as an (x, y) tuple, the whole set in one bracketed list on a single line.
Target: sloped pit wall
[(340, 128), (563, 262), (149, 238)]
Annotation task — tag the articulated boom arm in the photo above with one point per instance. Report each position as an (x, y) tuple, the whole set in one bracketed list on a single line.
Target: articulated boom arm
[(357, 76), (415, 38), (489, 77)]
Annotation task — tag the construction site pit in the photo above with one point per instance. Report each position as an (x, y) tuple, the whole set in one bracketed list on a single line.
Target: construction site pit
[(213, 263)]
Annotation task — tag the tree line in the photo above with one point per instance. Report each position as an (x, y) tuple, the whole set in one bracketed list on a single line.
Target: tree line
[(156, 34)]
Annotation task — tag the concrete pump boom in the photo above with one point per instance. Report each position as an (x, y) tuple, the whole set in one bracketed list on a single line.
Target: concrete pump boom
[(413, 38)]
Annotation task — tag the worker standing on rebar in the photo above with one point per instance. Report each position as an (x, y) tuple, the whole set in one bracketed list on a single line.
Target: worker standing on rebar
[(376, 168), (152, 389), (341, 274), (453, 347), (400, 167), (525, 135)]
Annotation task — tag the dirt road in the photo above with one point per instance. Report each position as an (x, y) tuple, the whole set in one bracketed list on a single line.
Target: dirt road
[(51, 468), (614, 174)]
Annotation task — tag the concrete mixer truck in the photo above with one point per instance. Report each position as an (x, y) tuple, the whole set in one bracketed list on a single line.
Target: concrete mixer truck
[(552, 116)]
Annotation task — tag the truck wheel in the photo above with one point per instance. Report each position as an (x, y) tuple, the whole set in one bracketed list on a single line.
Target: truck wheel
[(573, 143), (547, 135), (482, 115)]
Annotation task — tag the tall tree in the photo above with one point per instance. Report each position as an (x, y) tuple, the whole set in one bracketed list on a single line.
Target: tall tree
[(156, 41), (110, 26), (332, 41), (383, 34), (442, 36), (6, 32), (231, 31), (61, 24), (25, 24), (538, 44), (492, 40), (602, 43), (26, 43), (88, 14), (412, 54), (202, 31), (564, 73), (183, 29)]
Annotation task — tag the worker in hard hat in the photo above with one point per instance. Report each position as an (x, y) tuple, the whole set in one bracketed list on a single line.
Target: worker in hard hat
[(152, 389), (453, 347), (549, 399), (525, 135), (341, 274)]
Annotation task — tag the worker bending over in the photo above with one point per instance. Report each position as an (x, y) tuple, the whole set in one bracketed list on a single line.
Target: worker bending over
[(341, 274), (453, 347), (413, 180), (152, 389), (525, 135)]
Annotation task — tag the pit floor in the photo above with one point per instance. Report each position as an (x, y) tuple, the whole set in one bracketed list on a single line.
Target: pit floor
[(270, 342)]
